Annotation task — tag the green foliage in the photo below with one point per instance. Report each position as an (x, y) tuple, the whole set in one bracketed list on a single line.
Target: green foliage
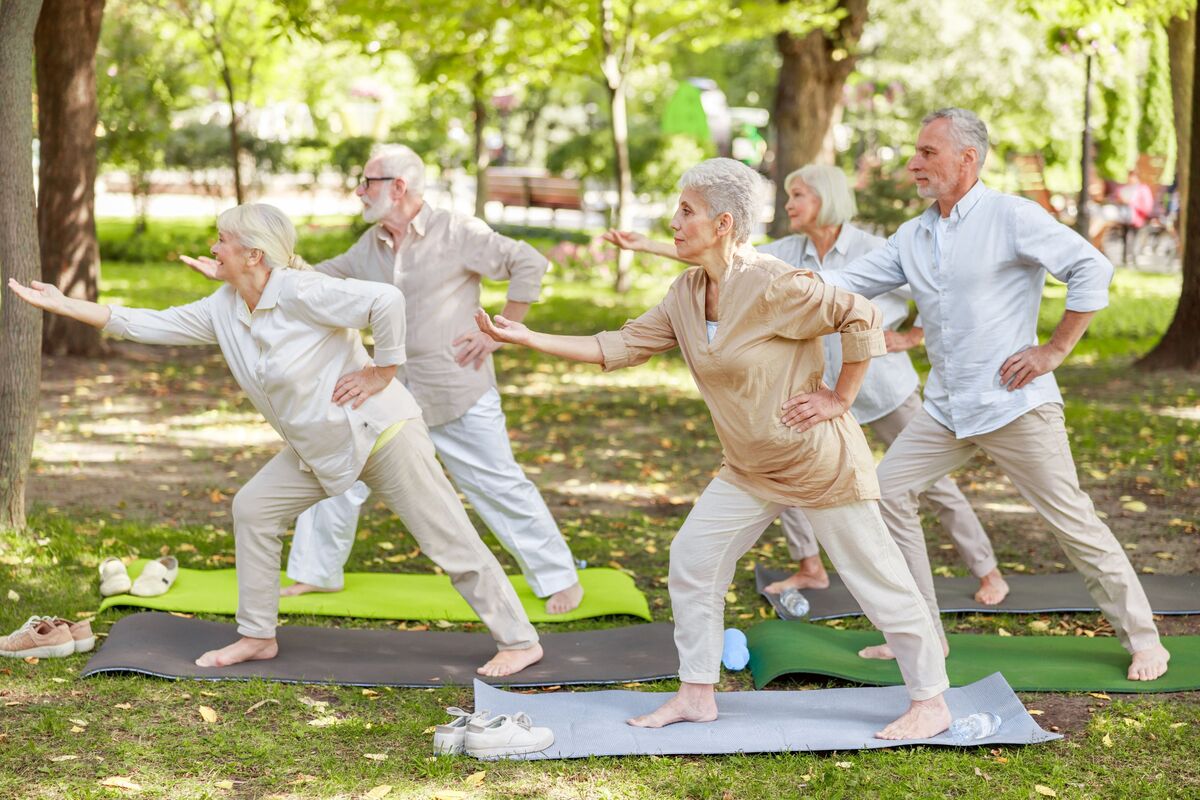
[(349, 156), (656, 159), (1156, 128), (1116, 141)]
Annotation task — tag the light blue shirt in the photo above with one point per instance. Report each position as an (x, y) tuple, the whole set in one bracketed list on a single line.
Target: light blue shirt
[(890, 378), (979, 298)]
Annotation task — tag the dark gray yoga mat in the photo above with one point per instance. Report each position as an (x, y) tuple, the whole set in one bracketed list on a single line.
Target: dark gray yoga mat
[(1029, 594), (165, 646), (593, 723)]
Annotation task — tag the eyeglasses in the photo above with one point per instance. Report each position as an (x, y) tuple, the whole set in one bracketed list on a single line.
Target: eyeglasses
[(365, 183)]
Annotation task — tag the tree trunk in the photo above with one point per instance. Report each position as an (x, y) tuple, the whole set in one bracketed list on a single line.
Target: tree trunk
[(1083, 217), (479, 112), (20, 323), (619, 122), (811, 78), (65, 45), (1181, 43), (1179, 347), (235, 145)]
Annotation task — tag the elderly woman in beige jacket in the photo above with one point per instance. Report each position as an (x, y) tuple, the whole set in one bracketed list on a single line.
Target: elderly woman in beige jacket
[(291, 339), (749, 327)]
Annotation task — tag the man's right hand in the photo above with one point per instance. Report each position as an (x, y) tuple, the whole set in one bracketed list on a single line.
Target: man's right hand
[(204, 265)]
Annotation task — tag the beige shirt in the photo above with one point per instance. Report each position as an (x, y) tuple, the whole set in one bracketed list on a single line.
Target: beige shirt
[(438, 265), (767, 348), (288, 354)]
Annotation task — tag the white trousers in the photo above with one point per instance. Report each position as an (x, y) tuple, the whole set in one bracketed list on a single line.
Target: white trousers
[(952, 508), (726, 522), (476, 452)]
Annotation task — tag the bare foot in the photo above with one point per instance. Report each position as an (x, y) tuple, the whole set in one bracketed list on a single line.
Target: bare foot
[(924, 718), (244, 649), (304, 588), (507, 662), (883, 652), (992, 589), (1149, 664), (697, 708), (566, 600)]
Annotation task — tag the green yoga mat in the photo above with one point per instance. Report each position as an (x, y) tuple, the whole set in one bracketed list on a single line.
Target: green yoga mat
[(1029, 663), (388, 595)]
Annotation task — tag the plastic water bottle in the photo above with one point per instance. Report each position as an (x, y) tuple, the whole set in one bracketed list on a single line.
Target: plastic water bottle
[(735, 654), (979, 725), (794, 603)]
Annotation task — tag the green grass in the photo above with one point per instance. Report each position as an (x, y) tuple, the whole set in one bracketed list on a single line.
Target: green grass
[(620, 458)]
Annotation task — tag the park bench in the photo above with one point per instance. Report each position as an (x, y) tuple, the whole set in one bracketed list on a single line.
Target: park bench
[(1031, 180), (527, 188)]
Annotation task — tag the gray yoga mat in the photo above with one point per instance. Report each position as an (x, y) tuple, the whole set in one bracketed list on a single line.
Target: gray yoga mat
[(165, 646), (1029, 594), (593, 723)]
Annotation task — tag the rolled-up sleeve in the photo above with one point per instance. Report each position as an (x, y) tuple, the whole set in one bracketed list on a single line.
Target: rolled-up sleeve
[(637, 340), (798, 306), (356, 304), (871, 274), (500, 258), (188, 324), (1041, 240)]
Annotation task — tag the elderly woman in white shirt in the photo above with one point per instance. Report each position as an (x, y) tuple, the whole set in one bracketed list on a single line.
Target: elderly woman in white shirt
[(291, 339), (820, 206)]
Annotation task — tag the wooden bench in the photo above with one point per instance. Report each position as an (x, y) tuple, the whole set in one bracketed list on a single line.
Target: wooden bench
[(526, 188)]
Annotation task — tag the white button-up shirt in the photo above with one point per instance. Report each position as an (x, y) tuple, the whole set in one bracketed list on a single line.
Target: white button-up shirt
[(288, 354), (979, 298), (891, 378)]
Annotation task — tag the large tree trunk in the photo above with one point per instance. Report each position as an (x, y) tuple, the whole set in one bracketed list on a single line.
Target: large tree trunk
[(1179, 347), (235, 144), (619, 122), (65, 46), (811, 78), (479, 112), (20, 324), (1181, 44)]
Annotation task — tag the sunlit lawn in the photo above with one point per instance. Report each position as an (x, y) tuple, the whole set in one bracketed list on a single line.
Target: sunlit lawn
[(620, 458)]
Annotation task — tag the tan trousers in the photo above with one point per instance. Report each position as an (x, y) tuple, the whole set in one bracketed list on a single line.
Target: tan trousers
[(407, 477), (959, 520), (726, 522), (1033, 451)]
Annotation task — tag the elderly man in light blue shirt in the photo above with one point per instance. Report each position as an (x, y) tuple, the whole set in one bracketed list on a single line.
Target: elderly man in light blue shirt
[(976, 262)]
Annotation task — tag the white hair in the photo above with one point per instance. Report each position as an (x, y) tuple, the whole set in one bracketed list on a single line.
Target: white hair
[(831, 187), (966, 129), (262, 227), (727, 187), (399, 161)]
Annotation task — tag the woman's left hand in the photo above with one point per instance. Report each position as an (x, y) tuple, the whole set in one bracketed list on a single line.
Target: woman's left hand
[(805, 410), (356, 387)]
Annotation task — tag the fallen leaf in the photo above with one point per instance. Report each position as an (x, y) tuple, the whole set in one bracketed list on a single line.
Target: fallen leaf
[(117, 782), (124, 706), (1037, 712), (370, 693), (81, 722), (429, 730), (323, 722), (59, 680), (1132, 723), (1001, 760), (13, 596), (259, 705), (224, 784), (77, 729), (1100, 695), (376, 756), (32, 660), (730, 597), (449, 794), (1107, 740), (379, 792), (317, 704), (1178, 724), (209, 694), (1039, 625), (844, 764), (208, 714), (1045, 791), (1136, 506), (60, 759), (475, 779), (1002, 632), (1165, 556), (441, 623)]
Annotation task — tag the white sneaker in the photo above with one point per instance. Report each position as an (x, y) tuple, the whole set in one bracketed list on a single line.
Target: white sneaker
[(506, 735), (448, 738), (114, 579)]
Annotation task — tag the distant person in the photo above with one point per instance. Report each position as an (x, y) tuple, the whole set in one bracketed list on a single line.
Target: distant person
[(1129, 205)]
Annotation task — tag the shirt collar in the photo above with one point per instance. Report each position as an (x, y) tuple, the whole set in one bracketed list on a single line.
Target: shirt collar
[(268, 299), (418, 225), (841, 245), (963, 207)]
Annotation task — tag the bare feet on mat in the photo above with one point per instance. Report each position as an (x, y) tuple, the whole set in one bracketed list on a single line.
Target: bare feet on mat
[(992, 589), (923, 719), (683, 707), (304, 588), (811, 575), (1149, 664), (883, 652), (244, 649), (566, 600), (508, 662)]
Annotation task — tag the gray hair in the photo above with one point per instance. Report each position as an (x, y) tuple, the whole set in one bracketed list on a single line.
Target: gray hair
[(831, 186), (966, 129), (728, 187), (400, 161), (262, 227)]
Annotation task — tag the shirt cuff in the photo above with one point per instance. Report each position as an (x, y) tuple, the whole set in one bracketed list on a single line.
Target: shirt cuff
[(389, 356), (118, 321), (613, 349), (524, 291), (861, 345), (1086, 301)]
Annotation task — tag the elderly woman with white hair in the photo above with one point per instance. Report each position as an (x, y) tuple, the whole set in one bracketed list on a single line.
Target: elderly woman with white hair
[(749, 327), (819, 208), (291, 339)]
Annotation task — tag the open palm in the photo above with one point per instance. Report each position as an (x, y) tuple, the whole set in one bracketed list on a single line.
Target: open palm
[(43, 295)]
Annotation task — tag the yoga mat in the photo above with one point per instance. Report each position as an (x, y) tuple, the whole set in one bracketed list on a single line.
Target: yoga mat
[(388, 595), (593, 723), (1029, 663), (1030, 594), (165, 646)]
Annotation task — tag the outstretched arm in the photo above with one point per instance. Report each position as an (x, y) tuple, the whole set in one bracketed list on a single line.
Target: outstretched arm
[(575, 348), (47, 297), (628, 240)]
